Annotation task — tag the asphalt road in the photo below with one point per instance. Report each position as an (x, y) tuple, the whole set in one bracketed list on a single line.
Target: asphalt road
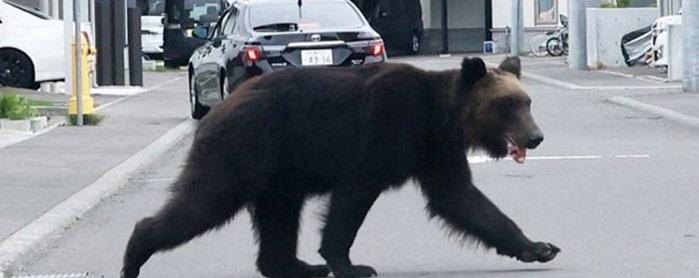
[(614, 188)]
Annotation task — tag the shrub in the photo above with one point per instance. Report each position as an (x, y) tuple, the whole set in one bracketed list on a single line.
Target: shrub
[(619, 4), (15, 107), (623, 3)]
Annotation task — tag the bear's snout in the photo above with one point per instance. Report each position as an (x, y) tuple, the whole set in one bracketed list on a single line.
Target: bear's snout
[(534, 140)]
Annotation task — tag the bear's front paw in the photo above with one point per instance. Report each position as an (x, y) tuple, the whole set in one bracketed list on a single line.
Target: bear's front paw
[(129, 273), (539, 252), (354, 271)]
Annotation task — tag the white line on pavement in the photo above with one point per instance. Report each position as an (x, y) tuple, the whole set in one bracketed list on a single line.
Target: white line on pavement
[(624, 156), (478, 159)]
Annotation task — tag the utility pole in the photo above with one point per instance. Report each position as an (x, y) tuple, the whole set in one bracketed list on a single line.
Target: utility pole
[(445, 28), (517, 32), (577, 51), (690, 39)]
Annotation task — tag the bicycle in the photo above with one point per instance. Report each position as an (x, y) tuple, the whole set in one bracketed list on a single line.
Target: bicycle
[(558, 44)]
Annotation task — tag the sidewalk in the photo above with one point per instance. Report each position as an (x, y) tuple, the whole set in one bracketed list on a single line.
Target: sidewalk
[(39, 173)]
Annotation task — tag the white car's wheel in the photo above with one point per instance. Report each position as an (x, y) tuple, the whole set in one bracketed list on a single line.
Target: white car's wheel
[(16, 69)]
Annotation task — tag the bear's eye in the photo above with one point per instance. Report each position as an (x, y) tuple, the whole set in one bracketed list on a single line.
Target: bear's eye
[(507, 103), (508, 106)]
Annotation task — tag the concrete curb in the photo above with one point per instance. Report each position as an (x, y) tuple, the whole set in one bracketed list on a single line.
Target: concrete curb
[(21, 246), (657, 110), (24, 138)]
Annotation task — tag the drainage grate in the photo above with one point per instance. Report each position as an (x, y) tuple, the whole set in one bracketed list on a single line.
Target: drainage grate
[(55, 275)]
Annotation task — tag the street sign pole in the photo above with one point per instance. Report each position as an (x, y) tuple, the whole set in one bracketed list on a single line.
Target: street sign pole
[(78, 62), (690, 39)]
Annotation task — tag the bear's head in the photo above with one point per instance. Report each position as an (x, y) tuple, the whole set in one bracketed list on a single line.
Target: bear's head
[(497, 116)]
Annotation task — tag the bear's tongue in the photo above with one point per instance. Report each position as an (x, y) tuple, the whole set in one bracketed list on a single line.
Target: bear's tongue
[(518, 153)]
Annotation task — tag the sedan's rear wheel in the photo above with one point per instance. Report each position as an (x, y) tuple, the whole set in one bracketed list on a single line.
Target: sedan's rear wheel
[(16, 69), (198, 110)]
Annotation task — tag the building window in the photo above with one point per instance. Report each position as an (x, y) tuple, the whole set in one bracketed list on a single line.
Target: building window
[(545, 12)]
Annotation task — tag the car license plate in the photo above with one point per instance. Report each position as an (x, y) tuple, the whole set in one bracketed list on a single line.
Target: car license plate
[(317, 57)]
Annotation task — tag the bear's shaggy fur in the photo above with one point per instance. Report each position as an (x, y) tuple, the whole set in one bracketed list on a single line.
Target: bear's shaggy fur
[(351, 133)]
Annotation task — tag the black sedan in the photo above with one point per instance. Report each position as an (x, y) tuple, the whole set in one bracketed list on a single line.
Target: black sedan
[(256, 37)]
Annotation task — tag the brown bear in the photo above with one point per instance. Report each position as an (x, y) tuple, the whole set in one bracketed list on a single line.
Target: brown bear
[(351, 133)]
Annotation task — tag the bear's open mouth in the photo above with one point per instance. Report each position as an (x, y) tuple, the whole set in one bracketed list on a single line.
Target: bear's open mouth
[(519, 154)]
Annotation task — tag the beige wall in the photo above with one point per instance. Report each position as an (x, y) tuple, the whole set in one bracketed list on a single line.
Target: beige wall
[(502, 10)]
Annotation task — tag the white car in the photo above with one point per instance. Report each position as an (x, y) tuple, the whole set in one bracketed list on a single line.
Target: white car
[(152, 27), (660, 32), (31, 47)]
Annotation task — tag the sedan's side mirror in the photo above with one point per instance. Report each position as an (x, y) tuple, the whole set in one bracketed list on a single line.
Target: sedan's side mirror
[(200, 32), (217, 41)]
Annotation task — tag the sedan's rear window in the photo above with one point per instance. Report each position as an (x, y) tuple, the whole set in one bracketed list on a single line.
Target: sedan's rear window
[(279, 18)]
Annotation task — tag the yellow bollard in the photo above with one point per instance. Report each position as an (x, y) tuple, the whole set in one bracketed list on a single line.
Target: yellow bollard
[(88, 57)]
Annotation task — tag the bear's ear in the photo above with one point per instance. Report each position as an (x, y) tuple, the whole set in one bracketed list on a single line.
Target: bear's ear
[(512, 65), (472, 70)]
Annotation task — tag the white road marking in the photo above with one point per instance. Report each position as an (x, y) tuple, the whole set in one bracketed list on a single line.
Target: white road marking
[(56, 275), (624, 156), (478, 159)]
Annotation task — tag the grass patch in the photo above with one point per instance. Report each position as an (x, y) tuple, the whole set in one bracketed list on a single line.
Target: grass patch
[(88, 119), (8, 91), (34, 102)]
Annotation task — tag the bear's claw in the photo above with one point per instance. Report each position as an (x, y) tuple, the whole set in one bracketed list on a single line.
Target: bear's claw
[(539, 252)]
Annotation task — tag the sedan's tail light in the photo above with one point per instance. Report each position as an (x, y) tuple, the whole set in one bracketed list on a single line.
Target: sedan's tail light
[(252, 54), (376, 48)]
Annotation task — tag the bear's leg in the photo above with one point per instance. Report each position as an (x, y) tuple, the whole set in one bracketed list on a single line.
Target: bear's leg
[(452, 197), (276, 219), (348, 208), (188, 214)]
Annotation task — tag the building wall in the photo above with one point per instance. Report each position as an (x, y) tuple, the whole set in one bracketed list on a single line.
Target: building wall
[(461, 13), (466, 23), (605, 27)]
